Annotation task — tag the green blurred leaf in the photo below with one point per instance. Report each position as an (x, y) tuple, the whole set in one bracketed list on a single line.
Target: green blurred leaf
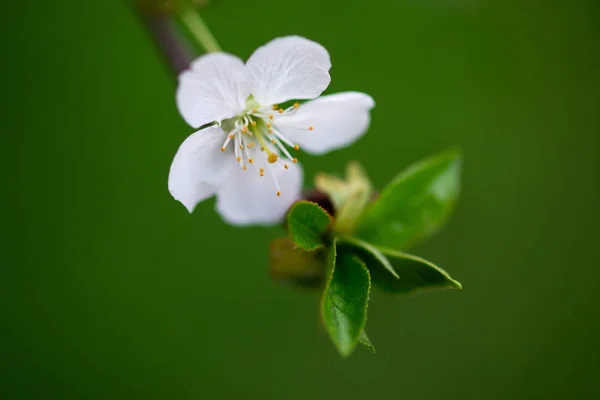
[(307, 222), (368, 253), (364, 340), (415, 204), (344, 303), (289, 264), (415, 274)]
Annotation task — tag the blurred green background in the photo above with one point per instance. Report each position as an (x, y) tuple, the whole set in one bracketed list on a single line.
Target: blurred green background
[(110, 290)]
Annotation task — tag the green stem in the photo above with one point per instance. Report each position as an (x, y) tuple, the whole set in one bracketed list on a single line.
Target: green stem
[(192, 20)]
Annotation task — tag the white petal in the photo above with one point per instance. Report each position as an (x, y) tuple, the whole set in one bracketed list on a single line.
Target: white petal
[(249, 199), (200, 167), (215, 89), (287, 68), (337, 120)]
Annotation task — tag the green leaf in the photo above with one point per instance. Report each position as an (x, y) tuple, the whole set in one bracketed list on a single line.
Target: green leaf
[(415, 274), (307, 222), (288, 264), (344, 303), (368, 253), (364, 340), (415, 204)]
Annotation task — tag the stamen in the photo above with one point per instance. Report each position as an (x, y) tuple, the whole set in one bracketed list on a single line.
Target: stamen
[(236, 143), (271, 116), (229, 137), (283, 138), (295, 160), (269, 125), (248, 120), (272, 158), (246, 151), (285, 166), (264, 147), (296, 147), (244, 167), (310, 128), (282, 148), (296, 105), (280, 111), (242, 147), (239, 158), (273, 175)]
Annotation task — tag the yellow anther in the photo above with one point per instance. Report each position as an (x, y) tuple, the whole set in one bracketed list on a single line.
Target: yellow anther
[(310, 128), (296, 147), (262, 148), (239, 158), (271, 116), (275, 106), (278, 193), (250, 145), (280, 111), (269, 125), (245, 168), (262, 170), (262, 174), (250, 160), (254, 111), (223, 149), (242, 146), (296, 105), (231, 136), (286, 166), (253, 123), (295, 160), (244, 128), (273, 141), (272, 158), (270, 130)]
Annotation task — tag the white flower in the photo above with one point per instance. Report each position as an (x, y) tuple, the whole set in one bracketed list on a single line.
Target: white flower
[(252, 136)]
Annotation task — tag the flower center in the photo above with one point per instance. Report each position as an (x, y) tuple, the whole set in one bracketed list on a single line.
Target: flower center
[(254, 134)]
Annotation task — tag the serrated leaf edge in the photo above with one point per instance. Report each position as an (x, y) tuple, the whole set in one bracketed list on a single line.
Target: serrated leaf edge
[(356, 341), (293, 207)]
